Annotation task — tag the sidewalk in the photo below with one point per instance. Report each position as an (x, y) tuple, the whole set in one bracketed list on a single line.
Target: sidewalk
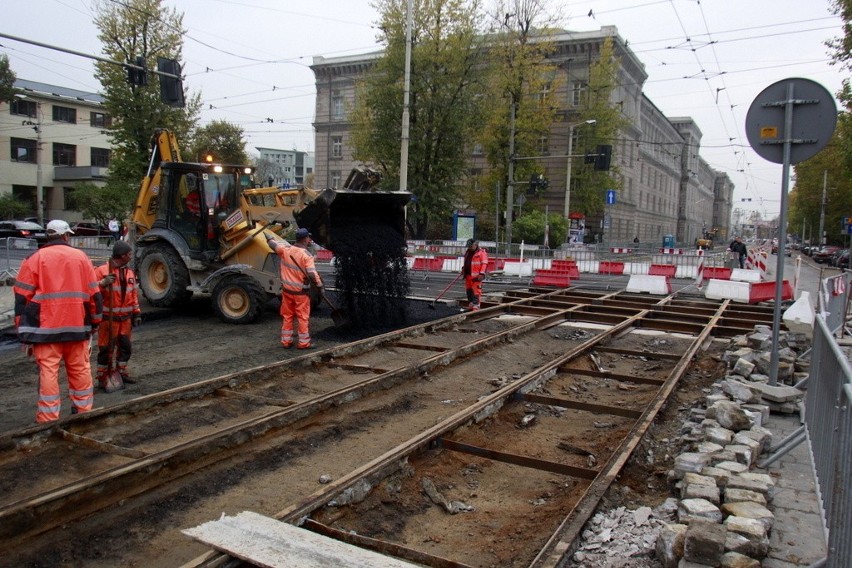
[(7, 308)]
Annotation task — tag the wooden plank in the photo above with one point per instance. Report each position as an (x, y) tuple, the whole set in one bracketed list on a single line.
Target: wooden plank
[(263, 541), (104, 447)]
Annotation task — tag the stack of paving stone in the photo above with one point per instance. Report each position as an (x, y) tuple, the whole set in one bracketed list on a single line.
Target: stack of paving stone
[(722, 517)]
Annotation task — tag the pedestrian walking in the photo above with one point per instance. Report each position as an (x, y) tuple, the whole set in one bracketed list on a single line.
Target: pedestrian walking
[(115, 229), (121, 313), (57, 308), (475, 265), (738, 247), (298, 272)]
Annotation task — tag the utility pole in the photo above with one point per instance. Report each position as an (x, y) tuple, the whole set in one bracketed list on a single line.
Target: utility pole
[(403, 153), (510, 187), (821, 235)]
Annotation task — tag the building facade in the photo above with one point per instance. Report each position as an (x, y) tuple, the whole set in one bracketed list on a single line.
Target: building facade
[(292, 167), (51, 140), (666, 187)]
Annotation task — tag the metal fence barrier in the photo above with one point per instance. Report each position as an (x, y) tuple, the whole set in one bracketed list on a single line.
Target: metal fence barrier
[(828, 421), (13, 251), (833, 300)]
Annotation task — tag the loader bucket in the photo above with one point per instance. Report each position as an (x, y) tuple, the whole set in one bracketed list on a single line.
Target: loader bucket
[(340, 211)]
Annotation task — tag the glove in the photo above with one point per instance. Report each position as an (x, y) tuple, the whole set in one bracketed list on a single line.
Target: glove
[(106, 280), (137, 321), (94, 328), (27, 348), (480, 277)]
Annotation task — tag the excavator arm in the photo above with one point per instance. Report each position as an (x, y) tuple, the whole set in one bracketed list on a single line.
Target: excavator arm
[(164, 148)]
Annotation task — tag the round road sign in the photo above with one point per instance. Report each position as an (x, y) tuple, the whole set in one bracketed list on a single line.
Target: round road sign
[(814, 119)]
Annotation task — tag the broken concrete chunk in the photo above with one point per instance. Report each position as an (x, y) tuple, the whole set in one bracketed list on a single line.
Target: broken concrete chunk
[(721, 476), (696, 491), (779, 393), (735, 542), (752, 529), (737, 560), (690, 461), (743, 368), (750, 511), (720, 436), (740, 495), (669, 547), (729, 415), (732, 466)]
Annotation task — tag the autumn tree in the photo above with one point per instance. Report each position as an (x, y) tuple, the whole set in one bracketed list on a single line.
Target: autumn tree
[(588, 185), (443, 108), (519, 109), (221, 140), (145, 29)]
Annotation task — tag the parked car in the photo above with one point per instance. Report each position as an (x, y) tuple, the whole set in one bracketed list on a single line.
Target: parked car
[(824, 254), (23, 230), (90, 230), (842, 259)]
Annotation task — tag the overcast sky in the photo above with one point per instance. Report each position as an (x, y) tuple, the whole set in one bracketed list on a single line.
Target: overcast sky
[(706, 59)]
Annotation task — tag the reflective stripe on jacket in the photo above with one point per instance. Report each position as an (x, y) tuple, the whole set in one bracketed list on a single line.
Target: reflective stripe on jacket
[(297, 265), (57, 297), (120, 302)]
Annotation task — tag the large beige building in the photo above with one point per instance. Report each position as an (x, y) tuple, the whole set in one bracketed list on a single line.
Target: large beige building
[(51, 139), (666, 187)]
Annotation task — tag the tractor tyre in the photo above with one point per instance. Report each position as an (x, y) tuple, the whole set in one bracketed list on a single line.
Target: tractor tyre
[(163, 277), (239, 300)]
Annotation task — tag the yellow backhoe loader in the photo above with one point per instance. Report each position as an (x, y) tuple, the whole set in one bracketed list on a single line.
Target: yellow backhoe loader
[(202, 227)]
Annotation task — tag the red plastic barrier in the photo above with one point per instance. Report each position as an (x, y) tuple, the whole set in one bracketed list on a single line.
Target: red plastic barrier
[(432, 264), (765, 291), (667, 270), (717, 273), (496, 264), (324, 255), (609, 267), (569, 266), (546, 277)]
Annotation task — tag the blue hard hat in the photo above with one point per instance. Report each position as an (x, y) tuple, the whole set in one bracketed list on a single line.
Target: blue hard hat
[(302, 233)]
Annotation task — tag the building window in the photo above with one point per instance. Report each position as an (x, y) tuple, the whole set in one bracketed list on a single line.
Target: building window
[(70, 202), (100, 120), (23, 108), (100, 157), (337, 146), (23, 150), (335, 179), (336, 105), (64, 114), (544, 95), (478, 150), (577, 93), (64, 154), (543, 146)]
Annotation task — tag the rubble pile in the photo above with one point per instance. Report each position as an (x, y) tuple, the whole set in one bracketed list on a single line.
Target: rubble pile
[(721, 515)]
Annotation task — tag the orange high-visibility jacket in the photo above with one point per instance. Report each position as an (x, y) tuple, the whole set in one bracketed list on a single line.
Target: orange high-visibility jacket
[(297, 265), (475, 263), (57, 297), (120, 302)]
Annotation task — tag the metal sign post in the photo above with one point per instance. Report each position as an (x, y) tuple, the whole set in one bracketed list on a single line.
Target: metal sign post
[(788, 122)]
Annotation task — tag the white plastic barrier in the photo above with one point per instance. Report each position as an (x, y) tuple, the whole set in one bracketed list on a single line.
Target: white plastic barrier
[(588, 266), (637, 267), (652, 284), (728, 290), (799, 318), (514, 268), (453, 264), (686, 271), (745, 275)]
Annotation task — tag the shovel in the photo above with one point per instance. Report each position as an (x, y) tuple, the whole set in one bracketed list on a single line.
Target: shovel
[(338, 316), (450, 285)]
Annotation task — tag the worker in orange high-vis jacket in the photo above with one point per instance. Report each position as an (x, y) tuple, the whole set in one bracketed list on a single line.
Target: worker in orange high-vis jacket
[(475, 265), (121, 311), (57, 308), (297, 273)]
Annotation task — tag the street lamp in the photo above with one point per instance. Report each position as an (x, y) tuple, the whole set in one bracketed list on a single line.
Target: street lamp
[(37, 127), (568, 169)]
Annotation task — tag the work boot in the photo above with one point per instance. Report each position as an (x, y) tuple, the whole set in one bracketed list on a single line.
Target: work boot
[(308, 346), (286, 345), (127, 380)]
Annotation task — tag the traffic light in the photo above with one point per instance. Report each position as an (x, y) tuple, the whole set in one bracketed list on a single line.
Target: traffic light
[(603, 157), (171, 88), (138, 77), (537, 183)]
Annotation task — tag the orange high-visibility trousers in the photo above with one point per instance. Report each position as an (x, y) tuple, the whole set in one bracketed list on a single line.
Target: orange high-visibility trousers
[(473, 289), (298, 307), (79, 371)]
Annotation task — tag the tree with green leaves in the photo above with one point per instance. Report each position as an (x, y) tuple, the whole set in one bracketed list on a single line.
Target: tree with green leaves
[(12, 207), (532, 226), (7, 79), (99, 203), (221, 140), (129, 30), (446, 71)]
